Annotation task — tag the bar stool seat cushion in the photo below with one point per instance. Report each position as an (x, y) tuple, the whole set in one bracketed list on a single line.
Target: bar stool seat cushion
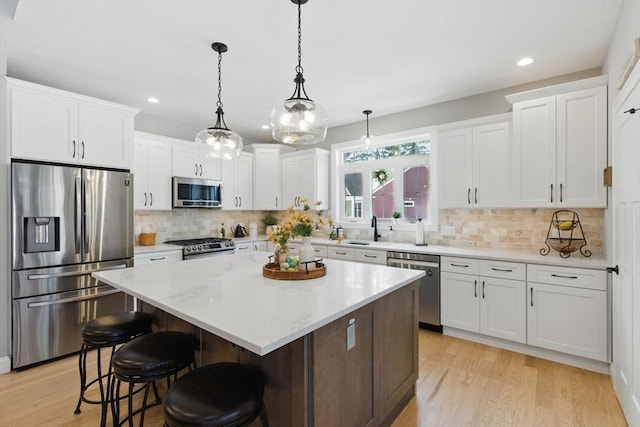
[(152, 355), (222, 394), (116, 328)]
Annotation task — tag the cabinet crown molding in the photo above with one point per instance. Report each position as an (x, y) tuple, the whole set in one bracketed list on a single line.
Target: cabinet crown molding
[(30, 86), (478, 121), (558, 89)]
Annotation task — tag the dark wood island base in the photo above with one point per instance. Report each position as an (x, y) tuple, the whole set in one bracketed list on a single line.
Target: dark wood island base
[(316, 380)]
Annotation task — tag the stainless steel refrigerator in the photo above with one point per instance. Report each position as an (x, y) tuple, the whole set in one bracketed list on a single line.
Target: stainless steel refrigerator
[(67, 222)]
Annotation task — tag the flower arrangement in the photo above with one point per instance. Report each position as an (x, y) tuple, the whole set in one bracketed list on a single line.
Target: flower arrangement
[(298, 223)]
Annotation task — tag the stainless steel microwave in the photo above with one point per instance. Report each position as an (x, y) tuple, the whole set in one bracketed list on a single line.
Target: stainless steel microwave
[(196, 193)]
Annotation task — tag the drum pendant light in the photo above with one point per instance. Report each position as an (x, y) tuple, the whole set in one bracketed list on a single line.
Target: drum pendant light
[(219, 141), (367, 138), (299, 120)]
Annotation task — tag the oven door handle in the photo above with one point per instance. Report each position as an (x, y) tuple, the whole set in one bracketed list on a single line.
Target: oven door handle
[(73, 273), (73, 299)]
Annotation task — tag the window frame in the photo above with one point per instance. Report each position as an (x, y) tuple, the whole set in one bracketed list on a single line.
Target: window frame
[(397, 164)]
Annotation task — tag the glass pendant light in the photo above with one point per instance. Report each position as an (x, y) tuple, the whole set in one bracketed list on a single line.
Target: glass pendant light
[(299, 120), (220, 142), (367, 138)]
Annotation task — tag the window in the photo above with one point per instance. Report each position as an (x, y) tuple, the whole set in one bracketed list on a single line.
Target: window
[(392, 178)]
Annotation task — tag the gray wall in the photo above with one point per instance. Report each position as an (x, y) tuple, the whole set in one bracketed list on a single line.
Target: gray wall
[(484, 104)]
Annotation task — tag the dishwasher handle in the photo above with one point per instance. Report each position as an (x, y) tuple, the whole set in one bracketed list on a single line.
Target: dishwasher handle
[(410, 263)]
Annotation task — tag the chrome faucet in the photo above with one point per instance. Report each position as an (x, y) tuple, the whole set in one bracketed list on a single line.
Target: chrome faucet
[(374, 224)]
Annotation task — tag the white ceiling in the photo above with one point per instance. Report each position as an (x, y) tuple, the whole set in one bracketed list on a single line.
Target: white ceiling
[(384, 55)]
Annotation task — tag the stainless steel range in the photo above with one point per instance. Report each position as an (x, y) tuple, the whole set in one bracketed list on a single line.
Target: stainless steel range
[(204, 247)]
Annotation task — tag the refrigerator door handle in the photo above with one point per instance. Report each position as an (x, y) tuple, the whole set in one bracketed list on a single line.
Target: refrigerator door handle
[(73, 299), (78, 213), (85, 232), (73, 273)]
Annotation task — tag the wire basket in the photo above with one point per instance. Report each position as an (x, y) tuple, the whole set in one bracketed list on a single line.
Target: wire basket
[(565, 235)]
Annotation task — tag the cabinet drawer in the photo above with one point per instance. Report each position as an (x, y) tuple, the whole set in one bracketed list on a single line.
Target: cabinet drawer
[(244, 247), (503, 270), (460, 265), (567, 276), (320, 251), (157, 257), (374, 257), (341, 253)]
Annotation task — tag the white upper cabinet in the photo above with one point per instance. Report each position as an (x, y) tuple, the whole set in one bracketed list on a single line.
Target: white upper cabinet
[(305, 175), (189, 161), (237, 183), (152, 173), (560, 146), (474, 165), (267, 177), (53, 125)]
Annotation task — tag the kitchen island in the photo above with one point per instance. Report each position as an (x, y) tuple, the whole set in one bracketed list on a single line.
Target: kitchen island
[(336, 350)]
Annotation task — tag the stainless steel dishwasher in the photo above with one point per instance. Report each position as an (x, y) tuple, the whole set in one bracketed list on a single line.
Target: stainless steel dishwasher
[(429, 305)]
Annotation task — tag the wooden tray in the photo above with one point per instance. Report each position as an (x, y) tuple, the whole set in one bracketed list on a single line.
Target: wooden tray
[(272, 271)]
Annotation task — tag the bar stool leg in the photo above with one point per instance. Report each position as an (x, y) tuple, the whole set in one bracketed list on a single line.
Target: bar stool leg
[(263, 416), (82, 368)]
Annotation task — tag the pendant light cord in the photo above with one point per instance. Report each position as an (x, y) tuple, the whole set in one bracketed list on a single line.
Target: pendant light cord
[(219, 103), (299, 67)]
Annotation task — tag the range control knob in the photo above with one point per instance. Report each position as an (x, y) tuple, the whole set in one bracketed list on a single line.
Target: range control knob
[(199, 247), (187, 248)]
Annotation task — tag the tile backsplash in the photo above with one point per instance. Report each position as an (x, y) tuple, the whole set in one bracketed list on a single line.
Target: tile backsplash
[(190, 223), (518, 229)]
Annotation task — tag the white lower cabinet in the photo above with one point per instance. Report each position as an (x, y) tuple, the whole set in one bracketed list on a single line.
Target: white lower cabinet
[(491, 303), (252, 245), (567, 311), (338, 252), (158, 256), (372, 257)]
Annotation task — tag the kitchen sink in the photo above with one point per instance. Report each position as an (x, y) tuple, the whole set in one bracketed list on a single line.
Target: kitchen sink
[(356, 242)]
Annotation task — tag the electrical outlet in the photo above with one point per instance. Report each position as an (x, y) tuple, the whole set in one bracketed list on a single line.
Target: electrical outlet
[(448, 230)]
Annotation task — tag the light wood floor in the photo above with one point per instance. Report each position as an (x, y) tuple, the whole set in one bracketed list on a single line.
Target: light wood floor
[(461, 383)]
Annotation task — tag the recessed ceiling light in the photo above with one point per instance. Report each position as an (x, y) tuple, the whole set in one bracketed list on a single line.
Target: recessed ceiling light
[(265, 126), (153, 100), (525, 61)]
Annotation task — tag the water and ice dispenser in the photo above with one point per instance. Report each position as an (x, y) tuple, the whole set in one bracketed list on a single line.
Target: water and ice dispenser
[(41, 234)]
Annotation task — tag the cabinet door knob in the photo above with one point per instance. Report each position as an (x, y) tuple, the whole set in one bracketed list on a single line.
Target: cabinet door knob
[(475, 195), (200, 169), (82, 142), (196, 169), (560, 192), (551, 193), (483, 289), (150, 199), (240, 199), (145, 199), (74, 149), (475, 289), (469, 195)]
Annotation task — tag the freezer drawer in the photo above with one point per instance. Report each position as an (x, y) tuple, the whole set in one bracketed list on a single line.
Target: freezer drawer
[(50, 326), (41, 281)]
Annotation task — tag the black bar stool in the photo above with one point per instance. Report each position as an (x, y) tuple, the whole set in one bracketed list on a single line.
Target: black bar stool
[(107, 331), (145, 360), (218, 395)]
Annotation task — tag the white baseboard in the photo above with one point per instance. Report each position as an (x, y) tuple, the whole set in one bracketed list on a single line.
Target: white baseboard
[(555, 356), (5, 365)]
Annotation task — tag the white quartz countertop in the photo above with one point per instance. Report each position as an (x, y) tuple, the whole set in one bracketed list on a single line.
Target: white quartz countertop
[(229, 297), (553, 258)]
